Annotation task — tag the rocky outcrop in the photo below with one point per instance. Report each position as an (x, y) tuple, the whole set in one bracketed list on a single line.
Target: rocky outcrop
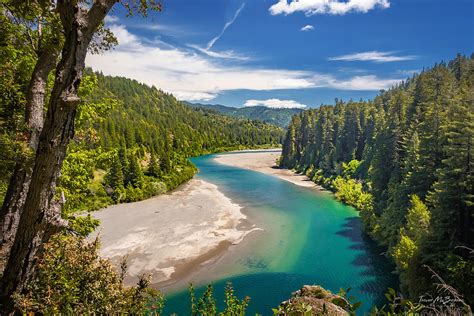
[(313, 300)]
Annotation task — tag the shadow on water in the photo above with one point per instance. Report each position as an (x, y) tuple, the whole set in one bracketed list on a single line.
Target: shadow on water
[(371, 258)]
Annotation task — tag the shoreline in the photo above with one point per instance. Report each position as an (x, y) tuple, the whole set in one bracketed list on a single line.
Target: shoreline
[(264, 161), (172, 235)]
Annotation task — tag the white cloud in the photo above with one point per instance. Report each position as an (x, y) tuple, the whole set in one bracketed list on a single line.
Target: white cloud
[(364, 83), (276, 103), (111, 19), (310, 7), (375, 56), (125, 39), (226, 26), (191, 75), (307, 28)]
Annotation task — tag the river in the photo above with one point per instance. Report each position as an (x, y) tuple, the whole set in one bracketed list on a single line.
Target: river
[(308, 237)]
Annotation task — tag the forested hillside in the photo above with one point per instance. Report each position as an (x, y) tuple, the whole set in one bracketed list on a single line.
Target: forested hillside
[(405, 160), (276, 116), (132, 141)]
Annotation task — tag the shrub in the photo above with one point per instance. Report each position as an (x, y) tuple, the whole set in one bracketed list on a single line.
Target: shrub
[(351, 192), (206, 305), (72, 278)]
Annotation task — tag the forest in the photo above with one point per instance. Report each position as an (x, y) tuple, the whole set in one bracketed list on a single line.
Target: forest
[(405, 161), (132, 142), (276, 116)]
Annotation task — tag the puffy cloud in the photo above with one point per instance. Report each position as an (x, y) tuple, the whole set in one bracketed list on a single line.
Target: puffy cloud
[(275, 103), (191, 75), (311, 7), (111, 19), (307, 28), (375, 56)]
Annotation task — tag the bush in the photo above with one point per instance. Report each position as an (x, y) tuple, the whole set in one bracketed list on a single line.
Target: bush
[(206, 305), (350, 191), (71, 278)]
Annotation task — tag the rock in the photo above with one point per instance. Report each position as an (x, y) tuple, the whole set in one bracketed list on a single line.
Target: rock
[(313, 300)]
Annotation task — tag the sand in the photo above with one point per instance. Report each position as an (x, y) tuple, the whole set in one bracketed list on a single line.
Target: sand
[(170, 235), (264, 161)]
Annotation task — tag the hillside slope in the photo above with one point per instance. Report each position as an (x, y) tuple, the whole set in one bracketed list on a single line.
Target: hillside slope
[(133, 141), (277, 116)]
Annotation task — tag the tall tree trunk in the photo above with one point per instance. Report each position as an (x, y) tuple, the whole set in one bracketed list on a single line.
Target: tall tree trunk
[(20, 180), (41, 216)]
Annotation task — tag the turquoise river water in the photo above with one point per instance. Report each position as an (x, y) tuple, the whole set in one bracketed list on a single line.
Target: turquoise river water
[(308, 238)]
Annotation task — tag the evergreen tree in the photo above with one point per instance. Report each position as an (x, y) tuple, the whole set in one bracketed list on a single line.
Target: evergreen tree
[(165, 163), (122, 154), (135, 172), (153, 168), (115, 176)]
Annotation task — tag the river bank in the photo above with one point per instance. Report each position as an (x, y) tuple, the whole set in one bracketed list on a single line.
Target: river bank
[(172, 234), (264, 161)]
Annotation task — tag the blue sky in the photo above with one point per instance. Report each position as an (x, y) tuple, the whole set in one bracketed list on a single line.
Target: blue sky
[(285, 53)]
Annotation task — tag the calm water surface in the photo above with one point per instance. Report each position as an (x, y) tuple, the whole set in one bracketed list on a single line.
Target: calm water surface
[(308, 238)]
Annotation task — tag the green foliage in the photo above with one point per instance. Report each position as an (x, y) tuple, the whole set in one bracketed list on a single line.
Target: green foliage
[(72, 278), (404, 251), (418, 218), (17, 60), (405, 161), (206, 305), (135, 172), (153, 167), (350, 191), (83, 225), (349, 169), (233, 305)]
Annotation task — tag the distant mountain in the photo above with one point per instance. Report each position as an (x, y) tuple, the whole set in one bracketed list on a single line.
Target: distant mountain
[(277, 116)]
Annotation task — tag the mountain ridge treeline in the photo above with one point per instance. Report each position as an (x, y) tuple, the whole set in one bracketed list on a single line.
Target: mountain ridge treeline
[(405, 160), (276, 116)]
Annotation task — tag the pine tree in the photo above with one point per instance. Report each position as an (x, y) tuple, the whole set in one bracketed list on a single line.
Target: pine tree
[(153, 168), (122, 154), (135, 172), (165, 163), (115, 177), (453, 195)]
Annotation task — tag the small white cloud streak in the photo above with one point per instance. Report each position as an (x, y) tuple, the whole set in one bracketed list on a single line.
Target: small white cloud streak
[(226, 26), (307, 28), (227, 54), (363, 83), (192, 76), (375, 56), (311, 7), (276, 104)]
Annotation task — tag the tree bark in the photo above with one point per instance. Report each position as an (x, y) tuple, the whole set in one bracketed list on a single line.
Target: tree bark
[(41, 216), (20, 180)]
